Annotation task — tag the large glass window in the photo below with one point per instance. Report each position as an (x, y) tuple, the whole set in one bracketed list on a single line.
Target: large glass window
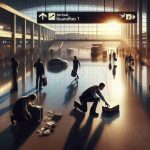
[(80, 31)]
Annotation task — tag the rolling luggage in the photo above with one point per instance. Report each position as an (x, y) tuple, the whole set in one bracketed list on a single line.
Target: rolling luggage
[(110, 109), (36, 112), (73, 73)]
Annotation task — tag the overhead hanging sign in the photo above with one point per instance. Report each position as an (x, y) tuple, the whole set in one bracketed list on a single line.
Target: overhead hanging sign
[(86, 17)]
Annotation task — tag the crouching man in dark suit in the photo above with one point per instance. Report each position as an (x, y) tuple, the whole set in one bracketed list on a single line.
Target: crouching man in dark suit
[(92, 94), (20, 109)]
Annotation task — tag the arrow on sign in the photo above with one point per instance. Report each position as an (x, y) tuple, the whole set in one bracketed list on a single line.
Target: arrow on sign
[(133, 17), (42, 15)]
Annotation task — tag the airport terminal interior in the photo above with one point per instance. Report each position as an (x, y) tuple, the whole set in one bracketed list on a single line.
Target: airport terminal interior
[(114, 53)]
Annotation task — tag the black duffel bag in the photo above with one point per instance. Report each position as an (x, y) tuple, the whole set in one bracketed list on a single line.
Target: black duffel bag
[(73, 73), (44, 80)]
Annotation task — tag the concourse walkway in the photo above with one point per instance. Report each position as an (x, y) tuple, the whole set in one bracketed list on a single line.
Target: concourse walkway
[(127, 130)]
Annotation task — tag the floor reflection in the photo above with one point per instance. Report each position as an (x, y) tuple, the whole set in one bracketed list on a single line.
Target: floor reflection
[(128, 89)]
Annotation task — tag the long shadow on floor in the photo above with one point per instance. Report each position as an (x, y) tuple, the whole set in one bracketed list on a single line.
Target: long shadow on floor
[(6, 109), (14, 136), (106, 119), (4, 97), (13, 97), (75, 130), (71, 92), (78, 137), (143, 95), (8, 94)]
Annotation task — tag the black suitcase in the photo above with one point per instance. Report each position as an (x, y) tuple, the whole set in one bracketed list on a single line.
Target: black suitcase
[(36, 112), (110, 109)]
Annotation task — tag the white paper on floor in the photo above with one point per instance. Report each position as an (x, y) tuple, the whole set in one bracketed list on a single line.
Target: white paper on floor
[(50, 121)]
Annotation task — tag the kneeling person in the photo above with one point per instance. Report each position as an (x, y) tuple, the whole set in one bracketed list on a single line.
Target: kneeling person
[(20, 109), (92, 94)]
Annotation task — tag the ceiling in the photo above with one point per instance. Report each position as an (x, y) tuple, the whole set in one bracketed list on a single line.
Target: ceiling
[(24, 4)]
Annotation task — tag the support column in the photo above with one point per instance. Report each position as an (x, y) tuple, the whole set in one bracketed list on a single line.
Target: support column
[(24, 35), (43, 35), (39, 36), (32, 35), (14, 34), (132, 37), (129, 28), (135, 26), (24, 28), (132, 9), (148, 29), (48, 36), (140, 27), (128, 37)]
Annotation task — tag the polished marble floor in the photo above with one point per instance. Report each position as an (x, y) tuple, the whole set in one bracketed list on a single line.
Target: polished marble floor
[(127, 130)]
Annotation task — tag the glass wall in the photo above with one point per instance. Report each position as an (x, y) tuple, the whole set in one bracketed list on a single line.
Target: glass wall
[(79, 31)]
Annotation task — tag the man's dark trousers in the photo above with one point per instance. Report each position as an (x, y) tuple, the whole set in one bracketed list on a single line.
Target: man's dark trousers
[(38, 77), (87, 98)]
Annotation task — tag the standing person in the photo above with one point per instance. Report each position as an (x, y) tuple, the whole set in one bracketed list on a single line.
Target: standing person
[(39, 72), (114, 56), (14, 65), (109, 57), (114, 71), (92, 94), (76, 63)]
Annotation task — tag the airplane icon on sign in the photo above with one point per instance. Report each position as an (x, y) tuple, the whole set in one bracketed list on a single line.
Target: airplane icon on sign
[(43, 16), (122, 15)]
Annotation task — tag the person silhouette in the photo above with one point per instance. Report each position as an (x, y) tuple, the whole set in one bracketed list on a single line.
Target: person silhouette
[(20, 109), (14, 65), (39, 72), (92, 94), (76, 64)]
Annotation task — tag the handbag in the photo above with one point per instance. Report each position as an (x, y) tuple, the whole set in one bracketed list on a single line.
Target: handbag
[(73, 73), (44, 80), (110, 110), (115, 59)]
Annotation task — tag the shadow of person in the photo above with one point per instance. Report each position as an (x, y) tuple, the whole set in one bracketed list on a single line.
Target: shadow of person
[(75, 130), (71, 92), (14, 136), (84, 134), (106, 119), (78, 136)]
